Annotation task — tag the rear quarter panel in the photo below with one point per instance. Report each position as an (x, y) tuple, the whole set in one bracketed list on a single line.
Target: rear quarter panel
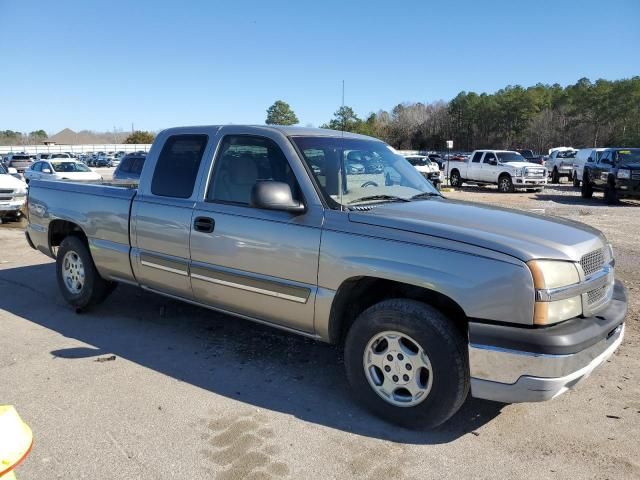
[(102, 212)]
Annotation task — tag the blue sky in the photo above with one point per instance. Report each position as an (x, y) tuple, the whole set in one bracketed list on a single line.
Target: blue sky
[(100, 65)]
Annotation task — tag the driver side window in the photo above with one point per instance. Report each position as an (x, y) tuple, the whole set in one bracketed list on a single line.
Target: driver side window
[(489, 157), (243, 161)]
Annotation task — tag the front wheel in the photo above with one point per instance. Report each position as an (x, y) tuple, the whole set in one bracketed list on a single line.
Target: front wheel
[(555, 176), (78, 279), (407, 363), (611, 195), (505, 184), (586, 190), (576, 181)]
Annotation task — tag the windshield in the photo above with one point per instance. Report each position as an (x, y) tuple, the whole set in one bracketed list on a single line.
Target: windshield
[(353, 171), (2, 170), (631, 155), (510, 157), (69, 167)]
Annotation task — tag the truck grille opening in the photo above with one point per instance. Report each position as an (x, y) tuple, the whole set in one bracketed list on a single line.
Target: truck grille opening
[(592, 262), (597, 294)]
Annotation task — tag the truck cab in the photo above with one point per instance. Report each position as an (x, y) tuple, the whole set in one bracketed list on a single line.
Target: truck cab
[(616, 173)]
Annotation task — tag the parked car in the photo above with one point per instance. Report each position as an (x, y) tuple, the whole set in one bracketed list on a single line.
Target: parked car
[(129, 169), (13, 193), (560, 164), (531, 157), (354, 164), (506, 169), (583, 156), (616, 173), (103, 161), (61, 169), (430, 297), (19, 161), (427, 168), (437, 159)]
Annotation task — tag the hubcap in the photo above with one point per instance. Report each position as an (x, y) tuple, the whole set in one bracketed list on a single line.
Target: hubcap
[(73, 272), (398, 369)]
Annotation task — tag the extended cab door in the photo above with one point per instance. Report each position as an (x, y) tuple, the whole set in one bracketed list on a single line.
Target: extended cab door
[(162, 211), (599, 171), (474, 167), (259, 263)]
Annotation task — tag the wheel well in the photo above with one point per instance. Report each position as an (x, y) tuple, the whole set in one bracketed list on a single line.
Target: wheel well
[(504, 174), (60, 229), (454, 170), (357, 294)]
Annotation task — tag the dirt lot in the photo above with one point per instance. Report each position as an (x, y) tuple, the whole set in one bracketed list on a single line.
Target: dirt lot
[(145, 387)]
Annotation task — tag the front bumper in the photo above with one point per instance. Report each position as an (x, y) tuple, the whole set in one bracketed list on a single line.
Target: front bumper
[(515, 364), (11, 206), (628, 187), (529, 182)]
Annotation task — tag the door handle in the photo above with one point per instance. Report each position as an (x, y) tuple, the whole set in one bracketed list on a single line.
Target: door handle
[(204, 224)]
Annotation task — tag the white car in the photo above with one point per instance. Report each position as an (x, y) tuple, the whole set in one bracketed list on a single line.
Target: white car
[(429, 170), (13, 192), (507, 169), (584, 155), (61, 169)]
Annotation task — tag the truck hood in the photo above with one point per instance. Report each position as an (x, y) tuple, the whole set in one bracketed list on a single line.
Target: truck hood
[(630, 166), (9, 181), (522, 164), (523, 235)]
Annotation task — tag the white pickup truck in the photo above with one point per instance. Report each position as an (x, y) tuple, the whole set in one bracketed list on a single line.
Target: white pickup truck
[(507, 169)]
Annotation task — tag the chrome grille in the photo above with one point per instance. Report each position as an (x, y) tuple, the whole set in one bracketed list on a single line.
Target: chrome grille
[(4, 190), (535, 172), (597, 294), (592, 262)]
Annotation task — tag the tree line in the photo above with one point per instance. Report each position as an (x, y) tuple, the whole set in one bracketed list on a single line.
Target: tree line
[(585, 114)]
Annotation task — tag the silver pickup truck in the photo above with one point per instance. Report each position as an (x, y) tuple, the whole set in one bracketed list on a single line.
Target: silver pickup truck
[(430, 297)]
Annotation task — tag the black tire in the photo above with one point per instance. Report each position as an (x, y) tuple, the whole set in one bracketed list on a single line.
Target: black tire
[(505, 184), (555, 176), (576, 181), (611, 195), (454, 179), (439, 338), (586, 189), (94, 289)]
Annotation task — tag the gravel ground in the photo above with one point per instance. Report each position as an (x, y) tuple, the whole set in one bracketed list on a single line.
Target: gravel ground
[(144, 387)]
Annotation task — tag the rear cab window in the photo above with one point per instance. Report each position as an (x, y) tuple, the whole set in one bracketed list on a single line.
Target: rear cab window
[(178, 164)]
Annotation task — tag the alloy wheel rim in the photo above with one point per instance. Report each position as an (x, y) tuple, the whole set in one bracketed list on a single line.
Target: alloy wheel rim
[(398, 369), (73, 272)]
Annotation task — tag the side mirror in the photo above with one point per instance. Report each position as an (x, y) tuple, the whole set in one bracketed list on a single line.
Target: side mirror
[(12, 171), (271, 195), (46, 170), (590, 159)]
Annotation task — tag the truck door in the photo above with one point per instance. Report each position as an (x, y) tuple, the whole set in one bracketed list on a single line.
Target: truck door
[(474, 167), (489, 171), (601, 169), (161, 215), (259, 263)]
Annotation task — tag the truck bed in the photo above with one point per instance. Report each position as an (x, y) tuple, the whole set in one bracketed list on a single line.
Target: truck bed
[(100, 210)]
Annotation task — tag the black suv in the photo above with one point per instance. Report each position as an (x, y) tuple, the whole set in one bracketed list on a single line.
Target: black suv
[(616, 172)]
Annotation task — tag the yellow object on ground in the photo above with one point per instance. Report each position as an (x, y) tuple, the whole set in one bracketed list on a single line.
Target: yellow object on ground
[(16, 440)]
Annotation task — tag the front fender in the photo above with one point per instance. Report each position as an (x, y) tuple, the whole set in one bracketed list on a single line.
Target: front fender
[(483, 286)]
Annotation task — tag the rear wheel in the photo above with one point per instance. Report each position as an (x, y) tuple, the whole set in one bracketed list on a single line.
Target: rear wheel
[(407, 363), (78, 279), (455, 179), (505, 184)]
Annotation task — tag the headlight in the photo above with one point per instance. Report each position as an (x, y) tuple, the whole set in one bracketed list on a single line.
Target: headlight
[(548, 275), (624, 173), (517, 172)]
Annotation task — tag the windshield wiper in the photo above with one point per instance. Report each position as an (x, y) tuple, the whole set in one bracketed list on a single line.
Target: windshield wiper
[(425, 195), (379, 197)]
